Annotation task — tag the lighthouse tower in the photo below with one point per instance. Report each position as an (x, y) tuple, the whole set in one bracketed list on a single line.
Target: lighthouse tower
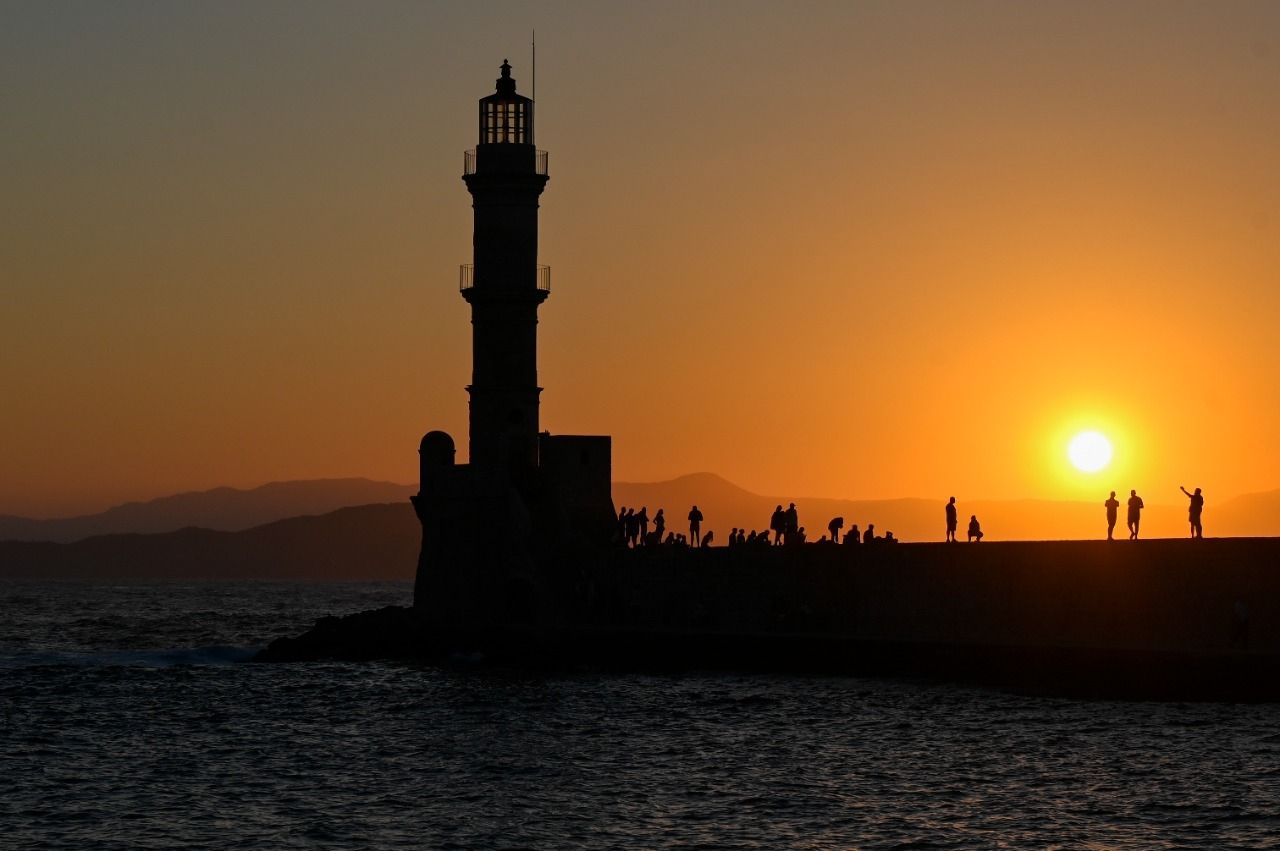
[(496, 531), (504, 284)]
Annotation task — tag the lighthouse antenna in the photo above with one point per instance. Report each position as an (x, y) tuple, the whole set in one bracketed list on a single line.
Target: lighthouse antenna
[(533, 45)]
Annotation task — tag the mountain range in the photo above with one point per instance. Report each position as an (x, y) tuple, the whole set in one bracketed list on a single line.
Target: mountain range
[(223, 509)]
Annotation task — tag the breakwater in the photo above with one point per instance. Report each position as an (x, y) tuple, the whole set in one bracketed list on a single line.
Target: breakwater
[(1160, 618)]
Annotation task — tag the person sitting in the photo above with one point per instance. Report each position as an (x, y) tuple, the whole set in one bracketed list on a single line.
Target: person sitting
[(733, 537), (869, 535), (854, 536), (706, 540), (888, 537), (975, 529)]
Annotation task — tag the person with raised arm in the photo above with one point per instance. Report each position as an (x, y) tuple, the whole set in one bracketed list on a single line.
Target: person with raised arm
[(1194, 510)]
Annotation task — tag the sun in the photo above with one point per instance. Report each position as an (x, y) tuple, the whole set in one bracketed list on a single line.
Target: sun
[(1089, 451)]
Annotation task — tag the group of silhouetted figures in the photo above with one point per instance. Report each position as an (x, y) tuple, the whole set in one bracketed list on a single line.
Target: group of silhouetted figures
[(1134, 518), (633, 529), (785, 529), (953, 522)]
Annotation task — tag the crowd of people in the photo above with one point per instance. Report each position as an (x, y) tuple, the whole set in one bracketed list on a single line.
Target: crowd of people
[(785, 529)]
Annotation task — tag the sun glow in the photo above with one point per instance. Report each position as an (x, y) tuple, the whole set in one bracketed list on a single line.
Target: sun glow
[(1089, 451)]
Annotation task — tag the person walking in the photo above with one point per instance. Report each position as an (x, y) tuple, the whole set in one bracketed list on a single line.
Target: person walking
[(1112, 505), (1135, 514), (1193, 511)]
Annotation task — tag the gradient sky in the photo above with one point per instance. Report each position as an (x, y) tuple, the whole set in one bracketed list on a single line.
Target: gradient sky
[(838, 249)]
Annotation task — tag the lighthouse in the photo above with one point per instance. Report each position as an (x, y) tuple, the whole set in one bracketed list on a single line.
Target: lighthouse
[(494, 529), (504, 284)]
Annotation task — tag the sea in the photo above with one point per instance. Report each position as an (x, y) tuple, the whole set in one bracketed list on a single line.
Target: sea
[(132, 717)]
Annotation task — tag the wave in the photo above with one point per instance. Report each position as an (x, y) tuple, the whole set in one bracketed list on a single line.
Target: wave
[(217, 654)]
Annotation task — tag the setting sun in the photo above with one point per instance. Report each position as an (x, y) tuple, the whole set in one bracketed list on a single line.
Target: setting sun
[(1089, 451)]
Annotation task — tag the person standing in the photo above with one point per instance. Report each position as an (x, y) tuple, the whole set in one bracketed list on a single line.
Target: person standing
[(1135, 514), (791, 525), (1193, 511), (633, 527), (778, 525), (643, 520), (1113, 506), (834, 527), (952, 521), (695, 526)]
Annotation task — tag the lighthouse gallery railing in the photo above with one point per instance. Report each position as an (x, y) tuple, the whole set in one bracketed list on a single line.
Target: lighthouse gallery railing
[(467, 277), (469, 162)]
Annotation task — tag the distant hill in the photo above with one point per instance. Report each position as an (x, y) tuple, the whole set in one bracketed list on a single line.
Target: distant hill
[(367, 542), (221, 509), (1253, 514)]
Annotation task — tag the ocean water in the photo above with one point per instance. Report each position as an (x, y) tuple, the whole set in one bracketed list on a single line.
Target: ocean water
[(129, 718)]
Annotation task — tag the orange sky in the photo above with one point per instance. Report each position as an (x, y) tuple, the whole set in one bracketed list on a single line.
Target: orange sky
[(839, 249)]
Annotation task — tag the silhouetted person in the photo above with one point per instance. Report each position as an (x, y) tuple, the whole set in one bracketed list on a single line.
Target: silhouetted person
[(953, 521), (1113, 506), (695, 526), (834, 527), (975, 529), (633, 527), (706, 540), (659, 523), (643, 520), (1193, 511), (869, 535), (888, 537), (1135, 514), (800, 535), (778, 524), (792, 520), (854, 536), (622, 525)]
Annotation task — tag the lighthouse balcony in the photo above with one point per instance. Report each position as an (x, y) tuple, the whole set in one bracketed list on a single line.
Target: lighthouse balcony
[(467, 278), (503, 158)]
